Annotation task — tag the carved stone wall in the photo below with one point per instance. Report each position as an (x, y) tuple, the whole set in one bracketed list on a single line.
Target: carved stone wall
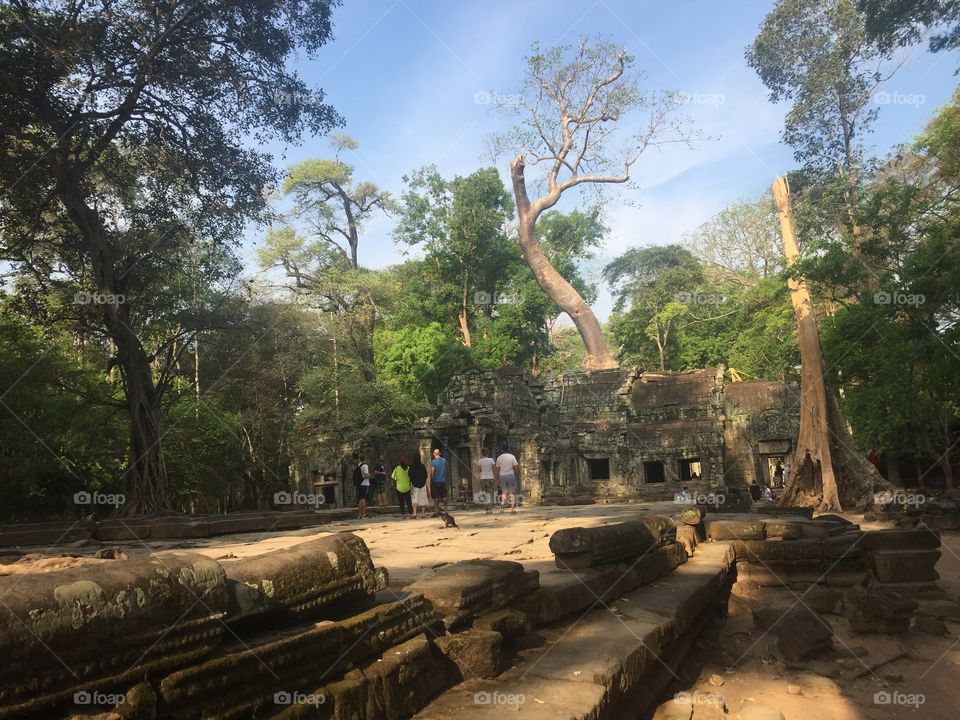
[(615, 434)]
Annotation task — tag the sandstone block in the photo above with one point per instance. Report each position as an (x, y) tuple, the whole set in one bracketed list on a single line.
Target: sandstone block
[(896, 566)]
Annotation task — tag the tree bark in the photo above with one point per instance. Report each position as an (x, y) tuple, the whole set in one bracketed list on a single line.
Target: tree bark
[(552, 282), (464, 317), (829, 472), (146, 475)]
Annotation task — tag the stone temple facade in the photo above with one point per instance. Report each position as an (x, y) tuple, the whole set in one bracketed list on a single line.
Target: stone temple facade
[(612, 435)]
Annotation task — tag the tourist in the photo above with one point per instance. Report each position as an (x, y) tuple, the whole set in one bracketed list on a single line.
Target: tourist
[(380, 478), (786, 474), (361, 478), (485, 469), (778, 475), (438, 480), (419, 495), (508, 476), (401, 483)]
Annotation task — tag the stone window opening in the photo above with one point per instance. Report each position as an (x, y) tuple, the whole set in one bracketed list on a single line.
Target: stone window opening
[(653, 471), (599, 468), (690, 470)]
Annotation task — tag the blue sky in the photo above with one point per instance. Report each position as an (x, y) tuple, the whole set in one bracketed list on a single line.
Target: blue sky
[(405, 74)]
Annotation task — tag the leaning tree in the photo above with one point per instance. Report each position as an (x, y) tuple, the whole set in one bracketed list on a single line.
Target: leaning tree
[(573, 110), (165, 93)]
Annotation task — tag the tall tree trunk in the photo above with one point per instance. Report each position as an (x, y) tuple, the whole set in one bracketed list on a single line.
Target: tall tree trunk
[(463, 317), (829, 472), (146, 475), (552, 282)]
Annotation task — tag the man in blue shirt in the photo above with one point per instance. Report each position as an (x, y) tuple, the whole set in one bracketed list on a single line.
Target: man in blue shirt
[(438, 480)]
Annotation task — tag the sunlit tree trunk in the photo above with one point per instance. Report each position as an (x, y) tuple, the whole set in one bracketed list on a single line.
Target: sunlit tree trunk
[(829, 471), (552, 282)]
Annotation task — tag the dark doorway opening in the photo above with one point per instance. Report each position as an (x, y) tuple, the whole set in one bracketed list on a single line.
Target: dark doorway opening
[(653, 471), (690, 470), (599, 468)]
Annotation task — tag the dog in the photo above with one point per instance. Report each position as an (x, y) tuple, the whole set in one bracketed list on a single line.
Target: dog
[(449, 521)]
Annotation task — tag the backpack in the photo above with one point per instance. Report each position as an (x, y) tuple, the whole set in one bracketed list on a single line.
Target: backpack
[(357, 476)]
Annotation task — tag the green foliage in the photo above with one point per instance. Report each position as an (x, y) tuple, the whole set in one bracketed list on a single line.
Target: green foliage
[(817, 55), (419, 361), (905, 22)]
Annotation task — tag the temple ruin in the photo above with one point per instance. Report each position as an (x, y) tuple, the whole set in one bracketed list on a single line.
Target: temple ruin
[(612, 435)]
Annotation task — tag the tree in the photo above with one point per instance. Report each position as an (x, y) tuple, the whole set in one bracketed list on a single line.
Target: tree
[(903, 22), (828, 470), (573, 101), (740, 244), (163, 94), (461, 226), (819, 56), (654, 288), (328, 201)]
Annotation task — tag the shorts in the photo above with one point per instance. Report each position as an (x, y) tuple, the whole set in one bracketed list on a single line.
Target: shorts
[(363, 492), (418, 496), (488, 491), (508, 483), (381, 485), (438, 490)]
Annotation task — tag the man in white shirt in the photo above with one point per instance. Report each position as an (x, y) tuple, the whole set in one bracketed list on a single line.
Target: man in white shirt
[(364, 486), (485, 467), (508, 474)]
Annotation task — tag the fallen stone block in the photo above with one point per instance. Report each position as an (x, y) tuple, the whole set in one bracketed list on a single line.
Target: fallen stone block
[(823, 600), (476, 653), (879, 610), (930, 626), (687, 536), (244, 681), (901, 539), (393, 687), (577, 548), (940, 609), (301, 581), (102, 627), (736, 529), (463, 590), (508, 622), (563, 593), (898, 566)]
